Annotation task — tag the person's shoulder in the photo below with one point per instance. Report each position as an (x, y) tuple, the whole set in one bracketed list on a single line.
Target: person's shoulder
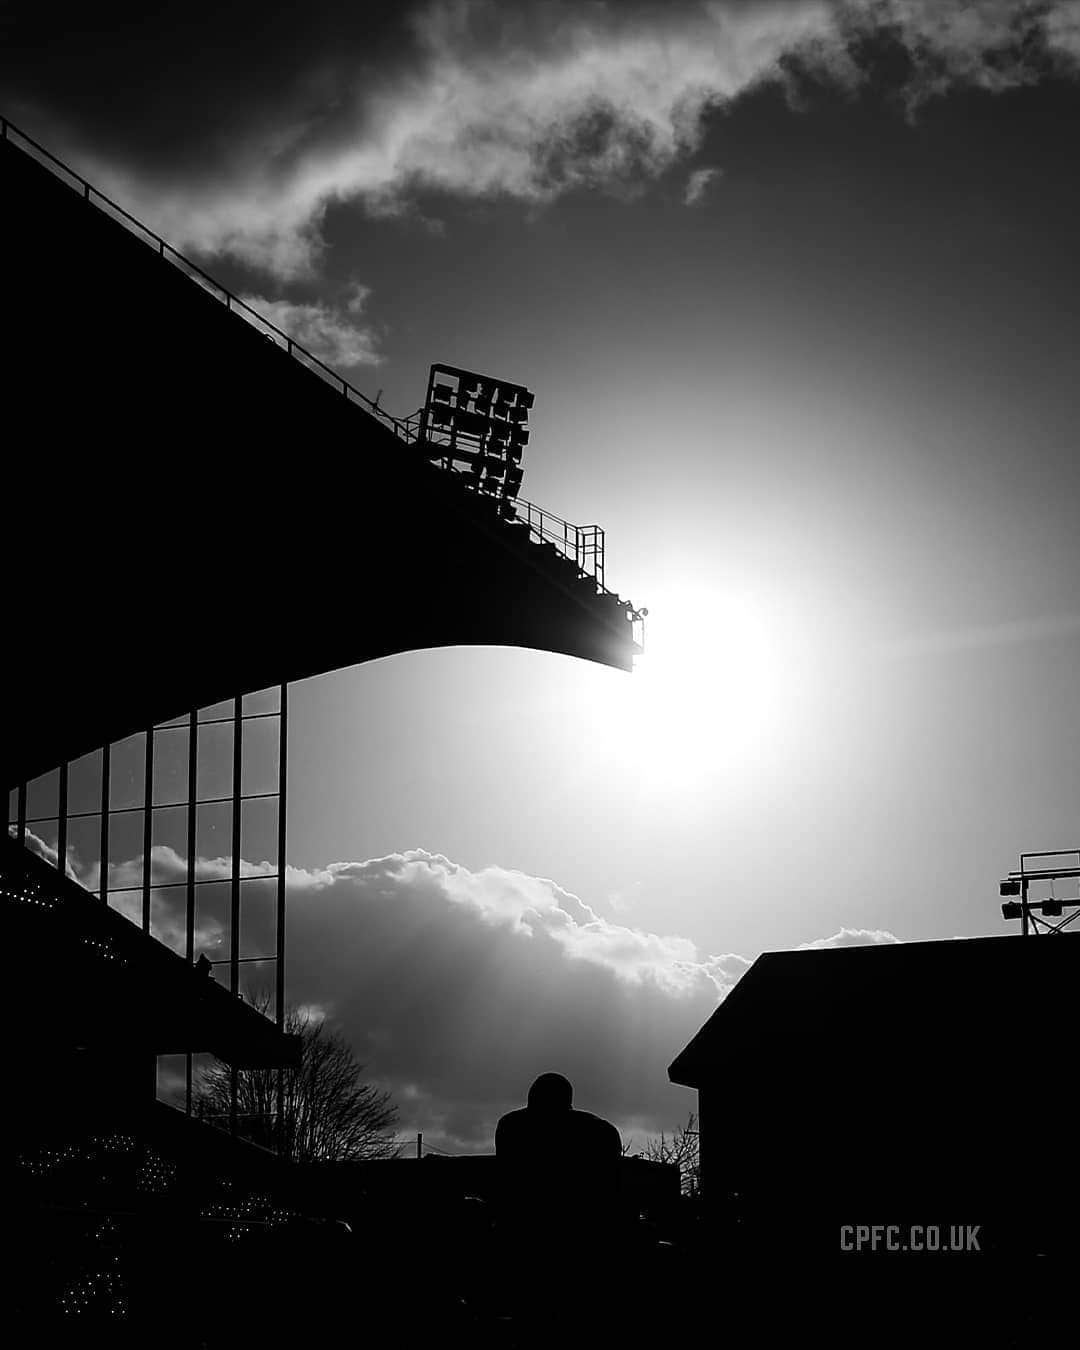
[(513, 1123), (599, 1130)]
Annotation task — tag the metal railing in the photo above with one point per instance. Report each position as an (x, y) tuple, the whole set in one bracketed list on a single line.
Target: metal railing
[(164, 249), (582, 544)]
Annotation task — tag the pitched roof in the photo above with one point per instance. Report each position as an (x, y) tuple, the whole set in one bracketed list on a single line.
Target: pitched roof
[(942, 995)]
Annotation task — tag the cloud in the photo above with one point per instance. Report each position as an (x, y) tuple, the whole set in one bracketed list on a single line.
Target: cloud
[(850, 937), (328, 332), (457, 987), (528, 100), (697, 184)]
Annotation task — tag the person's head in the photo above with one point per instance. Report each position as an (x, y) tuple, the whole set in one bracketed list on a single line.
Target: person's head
[(551, 1092)]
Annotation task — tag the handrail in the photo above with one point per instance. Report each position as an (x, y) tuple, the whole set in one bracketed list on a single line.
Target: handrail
[(583, 544), (231, 301)]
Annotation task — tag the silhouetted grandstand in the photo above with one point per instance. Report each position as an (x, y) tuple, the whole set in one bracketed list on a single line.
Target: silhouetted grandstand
[(199, 510)]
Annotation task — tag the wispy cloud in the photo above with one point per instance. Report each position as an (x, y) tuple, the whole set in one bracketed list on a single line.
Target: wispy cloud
[(529, 100), (332, 333), (697, 185)]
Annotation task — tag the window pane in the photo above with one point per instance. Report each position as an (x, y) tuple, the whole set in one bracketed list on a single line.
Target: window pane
[(214, 837), (170, 766), (43, 795), (125, 849), (84, 850), (215, 762), (170, 844), (265, 701), (84, 784), (260, 755), (258, 832), (172, 1079), (168, 917), (213, 911), (258, 919), (217, 711), (127, 772)]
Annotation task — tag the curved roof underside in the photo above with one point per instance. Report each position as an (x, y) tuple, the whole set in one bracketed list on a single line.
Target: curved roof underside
[(197, 515)]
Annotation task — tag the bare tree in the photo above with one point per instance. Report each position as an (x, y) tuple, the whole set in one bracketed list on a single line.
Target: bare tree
[(682, 1146), (329, 1113)]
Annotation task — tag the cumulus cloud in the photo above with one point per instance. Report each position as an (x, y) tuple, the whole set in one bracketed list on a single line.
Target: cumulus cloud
[(457, 987), (332, 333), (851, 937), (526, 100), (697, 185)]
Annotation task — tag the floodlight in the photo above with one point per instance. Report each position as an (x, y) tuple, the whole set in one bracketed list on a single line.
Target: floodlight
[(518, 414), (441, 393), (1009, 888), (1012, 909), (440, 417), (472, 424), (519, 436), (1052, 908), (525, 399)]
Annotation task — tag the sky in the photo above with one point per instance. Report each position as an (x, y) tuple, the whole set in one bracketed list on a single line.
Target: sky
[(795, 286)]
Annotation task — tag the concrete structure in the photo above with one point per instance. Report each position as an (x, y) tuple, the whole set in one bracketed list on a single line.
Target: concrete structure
[(203, 513)]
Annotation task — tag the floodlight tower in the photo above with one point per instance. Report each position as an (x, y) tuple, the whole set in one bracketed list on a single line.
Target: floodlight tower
[(1048, 868)]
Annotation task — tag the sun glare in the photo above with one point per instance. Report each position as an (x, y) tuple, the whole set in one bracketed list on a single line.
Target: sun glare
[(714, 692)]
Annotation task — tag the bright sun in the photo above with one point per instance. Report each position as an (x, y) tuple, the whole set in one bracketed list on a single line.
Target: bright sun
[(715, 690)]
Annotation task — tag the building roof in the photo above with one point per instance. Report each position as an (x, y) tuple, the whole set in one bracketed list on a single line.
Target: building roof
[(925, 998), (88, 977)]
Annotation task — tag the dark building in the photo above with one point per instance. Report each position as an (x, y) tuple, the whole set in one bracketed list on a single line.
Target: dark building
[(924, 1083)]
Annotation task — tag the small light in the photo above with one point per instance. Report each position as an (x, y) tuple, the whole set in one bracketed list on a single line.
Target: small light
[(1009, 887), (1011, 909), (1052, 908)]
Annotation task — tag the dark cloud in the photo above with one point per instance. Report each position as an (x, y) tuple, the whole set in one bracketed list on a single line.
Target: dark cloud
[(182, 87), (233, 128)]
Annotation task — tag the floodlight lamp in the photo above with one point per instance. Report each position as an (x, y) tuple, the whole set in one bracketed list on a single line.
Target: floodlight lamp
[(1011, 909), (1052, 908), (1009, 888), (519, 436), (525, 399), (518, 414), (441, 393)]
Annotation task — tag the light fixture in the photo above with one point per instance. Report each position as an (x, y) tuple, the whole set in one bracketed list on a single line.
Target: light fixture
[(1012, 909), (1009, 888)]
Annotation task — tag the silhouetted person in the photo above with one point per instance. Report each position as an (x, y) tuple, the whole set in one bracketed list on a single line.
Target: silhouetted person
[(558, 1178)]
